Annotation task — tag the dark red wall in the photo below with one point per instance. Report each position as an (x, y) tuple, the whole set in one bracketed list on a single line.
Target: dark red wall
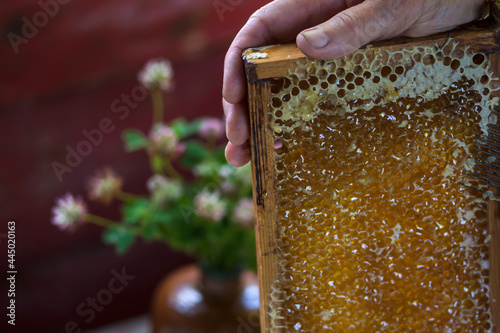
[(61, 81)]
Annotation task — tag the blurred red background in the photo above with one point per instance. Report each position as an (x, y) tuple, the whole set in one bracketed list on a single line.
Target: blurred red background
[(60, 78)]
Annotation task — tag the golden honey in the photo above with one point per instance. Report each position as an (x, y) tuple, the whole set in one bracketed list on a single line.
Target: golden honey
[(375, 232)]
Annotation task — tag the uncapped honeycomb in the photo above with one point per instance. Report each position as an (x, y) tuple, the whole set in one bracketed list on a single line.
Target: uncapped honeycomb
[(375, 232)]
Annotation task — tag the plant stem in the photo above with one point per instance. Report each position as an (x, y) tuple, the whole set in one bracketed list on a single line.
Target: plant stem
[(100, 221), (171, 170), (124, 196), (107, 223), (151, 210), (212, 142), (157, 98), (152, 165)]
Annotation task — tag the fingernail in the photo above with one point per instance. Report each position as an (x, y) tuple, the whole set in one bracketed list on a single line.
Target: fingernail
[(316, 37)]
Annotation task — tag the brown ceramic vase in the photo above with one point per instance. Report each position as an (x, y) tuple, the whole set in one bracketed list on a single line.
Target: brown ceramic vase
[(194, 300)]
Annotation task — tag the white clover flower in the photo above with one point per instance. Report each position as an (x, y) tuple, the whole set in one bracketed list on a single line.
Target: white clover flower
[(228, 187), (164, 140), (226, 175), (244, 174), (104, 186), (68, 212), (226, 171), (205, 169), (209, 205), (155, 182), (163, 189), (157, 74), (244, 212), (212, 128)]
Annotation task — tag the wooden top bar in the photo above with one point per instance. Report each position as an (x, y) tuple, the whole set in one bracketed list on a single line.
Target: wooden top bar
[(276, 61)]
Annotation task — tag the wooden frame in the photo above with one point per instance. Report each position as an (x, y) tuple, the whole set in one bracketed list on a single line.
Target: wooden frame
[(277, 62)]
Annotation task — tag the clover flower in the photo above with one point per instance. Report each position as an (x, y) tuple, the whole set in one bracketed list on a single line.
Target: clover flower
[(163, 189), (206, 169), (180, 149), (227, 184), (209, 205), (226, 171), (244, 174), (165, 141), (244, 212), (212, 128), (157, 74), (104, 186), (228, 188), (68, 212)]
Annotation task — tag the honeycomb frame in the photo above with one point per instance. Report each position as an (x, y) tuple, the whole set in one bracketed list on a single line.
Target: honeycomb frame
[(264, 65)]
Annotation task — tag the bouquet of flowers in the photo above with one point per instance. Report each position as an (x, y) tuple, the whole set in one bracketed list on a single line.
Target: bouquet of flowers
[(197, 202)]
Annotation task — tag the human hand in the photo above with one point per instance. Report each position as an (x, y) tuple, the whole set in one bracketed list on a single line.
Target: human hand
[(333, 28)]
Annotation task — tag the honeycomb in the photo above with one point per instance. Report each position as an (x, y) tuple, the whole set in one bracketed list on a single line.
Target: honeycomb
[(375, 232)]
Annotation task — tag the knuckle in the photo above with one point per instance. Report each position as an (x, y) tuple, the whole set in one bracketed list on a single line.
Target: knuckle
[(348, 22), (356, 29), (260, 14)]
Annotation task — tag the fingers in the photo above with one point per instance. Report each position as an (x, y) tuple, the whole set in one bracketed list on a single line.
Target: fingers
[(277, 22), (370, 20), (446, 16), (237, 131), (234, 84), (354, 27), (237, 124), (238, 156)]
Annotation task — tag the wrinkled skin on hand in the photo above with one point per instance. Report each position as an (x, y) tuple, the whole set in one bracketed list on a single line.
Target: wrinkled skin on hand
[(327, 29)]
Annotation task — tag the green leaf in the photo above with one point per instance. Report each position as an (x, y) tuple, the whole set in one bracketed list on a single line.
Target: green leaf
[(134, 211), (195, 153), (134, 140), (184, 129), (186, 212), (150, 231), (220, 156), (121, 237), (194, 127), (179, 127), (167, 216)]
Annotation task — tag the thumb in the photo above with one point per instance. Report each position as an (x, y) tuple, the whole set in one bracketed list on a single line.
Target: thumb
[(352, 28)]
